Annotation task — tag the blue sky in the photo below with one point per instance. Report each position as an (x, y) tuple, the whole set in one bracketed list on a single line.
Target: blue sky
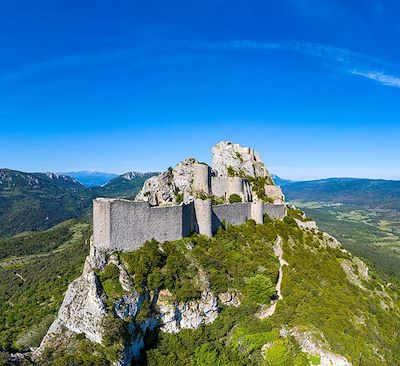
[(127, 85)]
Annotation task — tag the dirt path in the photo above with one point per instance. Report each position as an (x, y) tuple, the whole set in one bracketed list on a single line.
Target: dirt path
[(278, 251)]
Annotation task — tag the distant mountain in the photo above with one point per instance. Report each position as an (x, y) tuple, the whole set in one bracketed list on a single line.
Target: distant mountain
[(91, 179), (127, 185), (281, 182), (38, 201), (373, 193), (11, 179)]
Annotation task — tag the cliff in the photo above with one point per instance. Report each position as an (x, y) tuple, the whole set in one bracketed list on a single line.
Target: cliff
[(276, 293)]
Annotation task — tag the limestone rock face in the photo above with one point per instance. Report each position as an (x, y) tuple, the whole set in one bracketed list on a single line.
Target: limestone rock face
[(241, 159), (230, 298), (82, 311), (188, 315), (165, 188), (316, 344), (274, 192), (306, 224)]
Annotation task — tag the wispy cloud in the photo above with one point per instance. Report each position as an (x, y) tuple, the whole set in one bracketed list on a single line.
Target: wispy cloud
[(346, 60), (380, 77)]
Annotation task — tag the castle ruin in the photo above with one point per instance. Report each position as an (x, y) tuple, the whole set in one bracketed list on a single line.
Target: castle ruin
[(191, 198)]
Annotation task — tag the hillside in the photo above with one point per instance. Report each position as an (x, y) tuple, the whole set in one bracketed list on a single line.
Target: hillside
[(331, 307), (125, 185), (91, 178), (270, 290), (367, 193), (35, 270), (361, 213), (277, 293), (38, 201)]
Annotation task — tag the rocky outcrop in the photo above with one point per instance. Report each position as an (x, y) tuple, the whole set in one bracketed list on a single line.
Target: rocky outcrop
[(81, 311), (188, 315), (274, 192), (171, 187), (352, 276), (230, 298), (315, 345), (310, 224), (227, 155)]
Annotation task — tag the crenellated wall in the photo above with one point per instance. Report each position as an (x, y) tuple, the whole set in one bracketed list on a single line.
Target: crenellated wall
[(124, 225)]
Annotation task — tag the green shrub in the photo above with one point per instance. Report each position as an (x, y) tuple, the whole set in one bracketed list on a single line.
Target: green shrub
[(259, 289), (179, 198), (110, 271), (115, 329), (231, 171), (215, 200), (206, 355), (234, 198)]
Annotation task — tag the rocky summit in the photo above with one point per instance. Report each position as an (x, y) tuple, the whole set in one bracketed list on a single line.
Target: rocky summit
[(275, 291)]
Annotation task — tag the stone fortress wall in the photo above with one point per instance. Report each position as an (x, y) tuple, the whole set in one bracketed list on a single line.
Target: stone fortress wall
[(124, 225)]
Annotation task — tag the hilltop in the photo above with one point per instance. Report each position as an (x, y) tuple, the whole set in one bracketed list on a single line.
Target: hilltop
[(281, 292)]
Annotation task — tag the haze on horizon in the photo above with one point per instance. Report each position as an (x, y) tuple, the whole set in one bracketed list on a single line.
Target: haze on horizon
[(128, 86)]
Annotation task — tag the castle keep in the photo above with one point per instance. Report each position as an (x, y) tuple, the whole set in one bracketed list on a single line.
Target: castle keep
[(180, 201)]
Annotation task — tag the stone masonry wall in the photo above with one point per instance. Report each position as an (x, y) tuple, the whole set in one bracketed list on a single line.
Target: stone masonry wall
[(275, 211), (123, 225), (232, 214), (130, 224)]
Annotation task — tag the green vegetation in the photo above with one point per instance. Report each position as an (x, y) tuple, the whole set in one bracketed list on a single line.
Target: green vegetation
[(80, 351), (231, 171), (373, 235), (32, 284), (258, 185), (36, 201), (317, 297), (215, 200), (235, 198), (109, 279), (179, 198), (259, 289), (297, 214)]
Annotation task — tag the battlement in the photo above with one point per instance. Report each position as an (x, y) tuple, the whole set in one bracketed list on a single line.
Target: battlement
[(124, 225)]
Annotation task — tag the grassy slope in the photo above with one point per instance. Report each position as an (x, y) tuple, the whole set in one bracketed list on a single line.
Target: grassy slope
[(34, 279), (363, 214), (373, 235), (317, 297)]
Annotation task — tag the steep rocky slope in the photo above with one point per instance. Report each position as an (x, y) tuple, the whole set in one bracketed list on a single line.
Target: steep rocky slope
[(278, 293), (199, 298)]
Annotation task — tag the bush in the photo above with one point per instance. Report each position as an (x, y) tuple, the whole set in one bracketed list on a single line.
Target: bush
[(260, 289), (234, 198), (231, 171), (115, 329)]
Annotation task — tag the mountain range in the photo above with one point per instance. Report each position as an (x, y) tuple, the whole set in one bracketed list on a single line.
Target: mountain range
[(38, 201), (373, 193), (91, 178)]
